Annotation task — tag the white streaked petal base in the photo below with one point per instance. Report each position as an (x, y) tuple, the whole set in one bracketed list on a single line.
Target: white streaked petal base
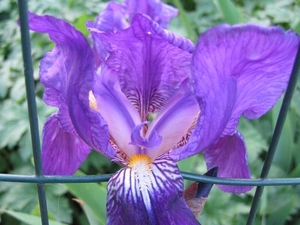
[(148, 193)]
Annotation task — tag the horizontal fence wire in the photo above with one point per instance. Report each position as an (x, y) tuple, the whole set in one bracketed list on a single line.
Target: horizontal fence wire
[(186, 175), (40, 179)]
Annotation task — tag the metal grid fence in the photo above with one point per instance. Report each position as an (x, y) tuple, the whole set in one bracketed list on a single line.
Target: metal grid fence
[(40, 179)]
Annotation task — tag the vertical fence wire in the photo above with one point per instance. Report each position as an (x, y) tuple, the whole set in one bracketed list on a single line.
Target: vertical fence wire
[(32, 110), (40, 178)]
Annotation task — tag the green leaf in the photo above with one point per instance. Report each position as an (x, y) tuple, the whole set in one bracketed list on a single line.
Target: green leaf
[(80, 23), (58, 204), (24, 197), (91, 194), (230, 13), (93, 220), (264, 202), (283, 155), (29, 219), (296, 27), (222, 209), (185, 21), (14, 123), (189, 165), (255, 144), (282, 203), (295, 172)]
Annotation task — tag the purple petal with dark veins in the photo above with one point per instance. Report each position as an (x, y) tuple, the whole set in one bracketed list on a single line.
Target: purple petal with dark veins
[(150, 62), (63, 152), (67, 72), (155, 9), (261, 62), (140, 198), (240, 69), (229, 154), (111, 19)]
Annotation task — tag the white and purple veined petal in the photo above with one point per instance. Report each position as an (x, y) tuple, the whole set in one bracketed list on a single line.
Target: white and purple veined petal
[(148, 192)]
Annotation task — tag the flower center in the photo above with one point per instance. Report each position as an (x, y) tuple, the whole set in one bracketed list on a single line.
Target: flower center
[(141, 166)]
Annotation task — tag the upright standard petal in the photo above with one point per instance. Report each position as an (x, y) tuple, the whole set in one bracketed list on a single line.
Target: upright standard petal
[(150, 63), (68, 75), (155, 9), (111, 19), (116, 17), (148, 193)]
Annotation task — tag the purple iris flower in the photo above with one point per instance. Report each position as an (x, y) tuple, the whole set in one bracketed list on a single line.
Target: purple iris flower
[(153, 99), (117, 16)]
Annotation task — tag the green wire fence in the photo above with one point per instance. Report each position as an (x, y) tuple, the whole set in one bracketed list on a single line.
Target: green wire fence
[(40, 179)]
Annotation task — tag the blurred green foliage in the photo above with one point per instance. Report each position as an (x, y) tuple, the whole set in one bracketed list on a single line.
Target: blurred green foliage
[(18, 201)]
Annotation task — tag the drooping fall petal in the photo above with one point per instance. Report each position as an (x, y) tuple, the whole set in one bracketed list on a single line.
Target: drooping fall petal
[(240, 69), (148, 194), (229, 154), (63, 152)]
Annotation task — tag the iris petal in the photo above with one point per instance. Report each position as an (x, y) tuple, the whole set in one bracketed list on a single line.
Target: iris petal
[(67, 72), (229, 154), (240, 69), (155, 198), (174, 120), (261, 61), (117, 111), (156, 10), (63, 152), (150, 63), (111, 19)]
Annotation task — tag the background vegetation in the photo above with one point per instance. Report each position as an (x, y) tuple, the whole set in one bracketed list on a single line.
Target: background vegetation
[(18, 201)]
